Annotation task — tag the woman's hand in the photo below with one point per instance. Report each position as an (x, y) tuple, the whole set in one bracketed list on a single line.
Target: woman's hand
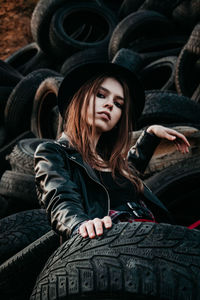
[(179, 139), (94, 227)]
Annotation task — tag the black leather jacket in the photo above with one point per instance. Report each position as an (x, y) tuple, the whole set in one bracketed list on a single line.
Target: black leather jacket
[(70, 190)]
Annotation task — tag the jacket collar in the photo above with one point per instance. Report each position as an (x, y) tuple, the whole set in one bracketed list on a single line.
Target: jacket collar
[(76, 156)]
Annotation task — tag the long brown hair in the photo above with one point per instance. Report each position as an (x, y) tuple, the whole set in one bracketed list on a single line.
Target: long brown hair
[(113, 146)]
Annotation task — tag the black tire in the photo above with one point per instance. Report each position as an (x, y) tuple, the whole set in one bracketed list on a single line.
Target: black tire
[(169, 108), (138, 25), (40, 22), (187, 76), (19, 230), (19, 105), (2, 135), (18, 274), (3, 207), (153, 44), (57, 123), (21, 159), (130, 261), (21, 187), (163, 7), (111, 4), (84, 56), (129, 6), (187, 14), (30, 58), (8, 75), (79, 26), (166, 154), (132, 59), (7, 148), (196, 95), (5, 92), (160, 74), (187, 71), (44, 101), (178, 188), (154, 55)]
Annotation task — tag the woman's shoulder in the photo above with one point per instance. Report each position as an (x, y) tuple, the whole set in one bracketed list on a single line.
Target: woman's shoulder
[(53, 145)]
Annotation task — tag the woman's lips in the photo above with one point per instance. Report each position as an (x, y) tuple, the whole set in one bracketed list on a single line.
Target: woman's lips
[(105, 115)]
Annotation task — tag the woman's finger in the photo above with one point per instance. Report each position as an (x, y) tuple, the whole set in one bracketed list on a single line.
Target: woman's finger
[(179, 136), (107, 222), (82, 230), (90, 229), (98, 224), (181, 146)]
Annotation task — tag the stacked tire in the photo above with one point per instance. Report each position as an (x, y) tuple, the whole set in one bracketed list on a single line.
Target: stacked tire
[(161, 42)]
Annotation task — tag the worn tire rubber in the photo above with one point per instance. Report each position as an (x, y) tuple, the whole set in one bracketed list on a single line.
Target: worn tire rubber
[(177, 187), (187, 71), (84, 56), (3, 207), (7, 149), (18, 274), (30, 58), (5, 92), (159, 74), (92, 24), (163, 7), (21, 158), (19, 105), (21, 229), (150, 57), (169, 108), (21, 187), (2, 135), (186, 78), (166, 154), (130, 261), (156, 44), (40, 22), (44, 101), (129, 6), (137, 25), (9, 76), (187, 14)]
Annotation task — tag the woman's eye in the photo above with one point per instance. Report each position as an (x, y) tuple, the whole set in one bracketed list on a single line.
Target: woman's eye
[(100, 95), (119, 105)]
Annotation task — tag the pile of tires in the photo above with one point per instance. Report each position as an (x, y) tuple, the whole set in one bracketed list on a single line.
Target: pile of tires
[(161, 41)]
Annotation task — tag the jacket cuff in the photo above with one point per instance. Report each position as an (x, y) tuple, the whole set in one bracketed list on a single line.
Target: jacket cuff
[(150, 137)]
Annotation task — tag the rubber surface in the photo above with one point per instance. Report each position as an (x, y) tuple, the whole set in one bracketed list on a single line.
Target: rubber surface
[(139, 260)]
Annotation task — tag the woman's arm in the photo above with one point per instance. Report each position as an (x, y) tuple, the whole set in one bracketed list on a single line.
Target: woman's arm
[(141, 153), (177, 138), (59, 194)]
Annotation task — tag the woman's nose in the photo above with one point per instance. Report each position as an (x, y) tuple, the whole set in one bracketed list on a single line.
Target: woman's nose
[(109, 104)]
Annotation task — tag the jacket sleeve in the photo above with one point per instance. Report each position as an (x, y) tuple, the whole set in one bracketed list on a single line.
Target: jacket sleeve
[(58, 193), (141, 153)]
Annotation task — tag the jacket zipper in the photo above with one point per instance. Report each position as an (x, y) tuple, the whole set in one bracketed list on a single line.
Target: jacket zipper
[(94, 181)]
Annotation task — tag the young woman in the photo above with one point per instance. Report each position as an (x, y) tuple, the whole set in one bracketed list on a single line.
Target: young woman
[(89, 178)]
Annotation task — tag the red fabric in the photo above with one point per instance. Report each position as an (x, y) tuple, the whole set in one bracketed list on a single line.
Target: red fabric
[(122, 216), (194, 225)]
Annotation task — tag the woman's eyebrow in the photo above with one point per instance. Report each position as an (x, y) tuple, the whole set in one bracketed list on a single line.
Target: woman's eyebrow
[(106, 90)]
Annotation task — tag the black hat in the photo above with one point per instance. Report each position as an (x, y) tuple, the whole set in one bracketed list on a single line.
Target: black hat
[(121, 65)]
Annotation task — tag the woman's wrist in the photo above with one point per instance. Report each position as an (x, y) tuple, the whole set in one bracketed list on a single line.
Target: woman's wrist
[(150, 129)]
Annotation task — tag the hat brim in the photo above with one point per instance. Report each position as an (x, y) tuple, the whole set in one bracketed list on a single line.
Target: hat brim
[(81, 74)]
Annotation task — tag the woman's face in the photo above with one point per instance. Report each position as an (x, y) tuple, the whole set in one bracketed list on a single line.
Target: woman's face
[(109, 103)]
